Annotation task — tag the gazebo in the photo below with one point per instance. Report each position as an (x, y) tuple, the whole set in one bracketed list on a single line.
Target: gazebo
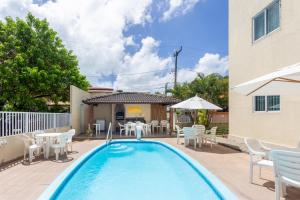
[(121, 107)]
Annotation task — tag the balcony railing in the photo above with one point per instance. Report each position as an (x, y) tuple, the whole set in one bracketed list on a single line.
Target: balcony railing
[(14, 123)]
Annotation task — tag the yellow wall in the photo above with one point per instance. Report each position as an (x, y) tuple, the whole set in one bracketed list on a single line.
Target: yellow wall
[(145, 111), (249, 60)]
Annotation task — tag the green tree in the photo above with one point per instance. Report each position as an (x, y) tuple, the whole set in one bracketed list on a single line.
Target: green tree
[(35, 66), (213, 88)]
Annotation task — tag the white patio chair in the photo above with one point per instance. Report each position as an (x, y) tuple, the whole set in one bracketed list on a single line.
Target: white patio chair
[(30, 147), (147, 129), (39, 140), (164, 125), (60, 146), (70, 134), (34, 133), (132, 128), (179, 132), (122, 128), (286, 169), (127, 127), (211, 136), (190, 134), (200, 131), (155, 125), (258, 156)]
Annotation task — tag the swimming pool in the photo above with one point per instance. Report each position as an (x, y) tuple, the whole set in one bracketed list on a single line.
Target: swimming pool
[(130, 170)]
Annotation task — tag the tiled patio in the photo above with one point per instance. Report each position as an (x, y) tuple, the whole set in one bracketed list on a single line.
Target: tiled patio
[(28, 182)]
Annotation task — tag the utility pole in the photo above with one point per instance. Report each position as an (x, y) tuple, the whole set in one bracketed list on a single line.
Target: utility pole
[(166, 88), (176, 53)]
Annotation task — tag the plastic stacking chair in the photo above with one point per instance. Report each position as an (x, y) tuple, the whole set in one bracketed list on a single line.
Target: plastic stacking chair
[(258, 156), (179, 132), (211, 136), (155, 125), (60, 146), (30, 147), (164, 126), (122, 128), (70, 135), (132, 128), (286, 169), (200, 132), (190, 134)]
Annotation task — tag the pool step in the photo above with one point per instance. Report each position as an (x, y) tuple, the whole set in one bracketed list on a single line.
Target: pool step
[(119, 148)]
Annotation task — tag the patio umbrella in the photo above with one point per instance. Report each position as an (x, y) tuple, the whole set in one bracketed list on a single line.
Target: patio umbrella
[(283, 81), (196, 103)]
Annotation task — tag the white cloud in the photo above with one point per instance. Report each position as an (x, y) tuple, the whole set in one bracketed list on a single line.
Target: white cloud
[(144, 60), (212, 63), (94, 30), (178, 7)]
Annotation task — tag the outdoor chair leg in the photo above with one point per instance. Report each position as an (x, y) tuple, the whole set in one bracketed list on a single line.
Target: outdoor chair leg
[(259, 171), (283, 189), (277, 189), (56, 151), (250, 170), (30, 155)]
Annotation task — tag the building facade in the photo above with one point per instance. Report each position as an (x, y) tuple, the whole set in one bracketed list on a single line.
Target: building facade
[(264, 35)]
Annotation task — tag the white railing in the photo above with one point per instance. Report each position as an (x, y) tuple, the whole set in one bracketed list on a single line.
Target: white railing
[(13, 123), (109, 134)]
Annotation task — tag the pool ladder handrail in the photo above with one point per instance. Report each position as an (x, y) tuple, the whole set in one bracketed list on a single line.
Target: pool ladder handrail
[(109, 134)]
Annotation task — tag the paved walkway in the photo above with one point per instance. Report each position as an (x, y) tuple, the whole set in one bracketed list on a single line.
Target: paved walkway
[(24, 182)]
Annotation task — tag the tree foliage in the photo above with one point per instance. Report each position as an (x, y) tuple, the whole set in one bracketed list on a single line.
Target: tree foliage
[(213, 88), (35, 66)]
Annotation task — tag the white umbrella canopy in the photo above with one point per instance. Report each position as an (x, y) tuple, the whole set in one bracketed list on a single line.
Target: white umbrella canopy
[(196, 103), (281, 82)]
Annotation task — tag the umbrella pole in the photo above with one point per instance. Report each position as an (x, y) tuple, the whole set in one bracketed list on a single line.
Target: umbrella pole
[(195, 117)]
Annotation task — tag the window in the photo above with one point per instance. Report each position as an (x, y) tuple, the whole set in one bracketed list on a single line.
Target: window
[(260, 104), (259, 26), (267, 103), (273, 17), (266, 21), (273, 103)]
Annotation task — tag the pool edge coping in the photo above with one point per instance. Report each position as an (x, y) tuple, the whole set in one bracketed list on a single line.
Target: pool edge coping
[(210, 178)]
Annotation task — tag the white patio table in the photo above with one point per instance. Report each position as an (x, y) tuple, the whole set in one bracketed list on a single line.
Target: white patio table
[(49, 138), (97, 128)]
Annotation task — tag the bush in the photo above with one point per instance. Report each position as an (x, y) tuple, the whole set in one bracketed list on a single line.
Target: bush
[(223, 128)]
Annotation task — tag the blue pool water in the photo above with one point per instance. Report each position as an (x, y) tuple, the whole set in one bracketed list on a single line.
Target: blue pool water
[(136, 170)]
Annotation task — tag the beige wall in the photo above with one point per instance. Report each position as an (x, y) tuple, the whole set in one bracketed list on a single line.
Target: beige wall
[(249, 60), (15, 146), (103, 112), (79, 111), (146, 111)]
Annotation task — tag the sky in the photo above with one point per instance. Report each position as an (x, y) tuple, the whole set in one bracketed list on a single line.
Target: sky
[(129, 44)]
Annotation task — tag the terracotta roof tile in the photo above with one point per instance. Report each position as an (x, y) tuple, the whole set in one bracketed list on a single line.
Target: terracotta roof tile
[(132, 98)]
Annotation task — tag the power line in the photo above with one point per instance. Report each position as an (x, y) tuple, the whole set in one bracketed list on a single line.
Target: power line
[(131, 74)]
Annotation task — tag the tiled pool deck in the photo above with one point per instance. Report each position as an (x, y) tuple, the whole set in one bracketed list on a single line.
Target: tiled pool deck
[(21, 181)]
